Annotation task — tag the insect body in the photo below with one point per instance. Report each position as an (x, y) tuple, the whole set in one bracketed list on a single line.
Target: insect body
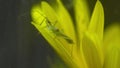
[(57, 32)]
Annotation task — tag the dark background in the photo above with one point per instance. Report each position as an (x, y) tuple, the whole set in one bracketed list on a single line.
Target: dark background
[(21, 46)]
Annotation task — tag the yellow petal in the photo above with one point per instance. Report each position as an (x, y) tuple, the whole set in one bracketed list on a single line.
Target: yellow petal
[(90, 52), (36, 14), (62, 19), (112, 35), (95, 33), (112, 46), (58, 43), (112, 57), (97, 21), (49, 12), (67, 25), (66, 21), (82, 15)]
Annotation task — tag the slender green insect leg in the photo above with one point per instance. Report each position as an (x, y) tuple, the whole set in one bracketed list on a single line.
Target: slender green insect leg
[(42, 21)]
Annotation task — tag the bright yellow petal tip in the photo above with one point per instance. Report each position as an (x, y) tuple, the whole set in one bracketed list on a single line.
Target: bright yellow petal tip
[(97, 20)]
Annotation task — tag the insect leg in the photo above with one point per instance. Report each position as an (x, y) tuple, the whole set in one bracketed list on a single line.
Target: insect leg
[(42, 21)]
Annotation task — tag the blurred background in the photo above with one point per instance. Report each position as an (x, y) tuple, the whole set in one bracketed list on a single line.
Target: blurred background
[(21, 45)]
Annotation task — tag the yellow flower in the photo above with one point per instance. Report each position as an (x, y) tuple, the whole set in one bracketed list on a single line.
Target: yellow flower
[(80, 43)]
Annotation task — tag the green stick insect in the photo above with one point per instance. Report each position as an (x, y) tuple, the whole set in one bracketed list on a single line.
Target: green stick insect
[(56, 31)]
